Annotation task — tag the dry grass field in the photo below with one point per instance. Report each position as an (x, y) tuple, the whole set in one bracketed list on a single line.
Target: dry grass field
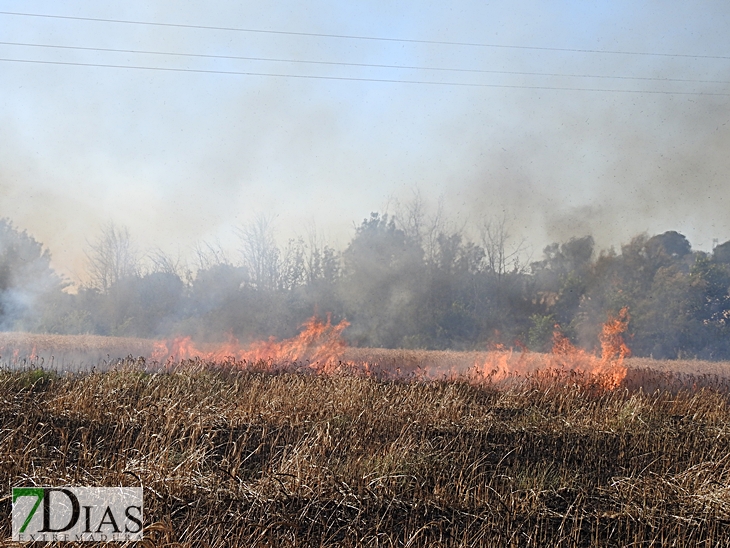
[(398, 448), (251, 458)]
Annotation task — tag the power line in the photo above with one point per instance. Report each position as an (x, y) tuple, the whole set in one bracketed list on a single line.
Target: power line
[(356, 37), (364, 65), (355, 79)]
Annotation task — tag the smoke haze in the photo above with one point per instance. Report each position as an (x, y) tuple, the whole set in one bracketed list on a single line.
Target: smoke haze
[(181, 158)]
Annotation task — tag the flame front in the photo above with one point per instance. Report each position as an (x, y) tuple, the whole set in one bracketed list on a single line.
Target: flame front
[(319, 346), (608, 369)]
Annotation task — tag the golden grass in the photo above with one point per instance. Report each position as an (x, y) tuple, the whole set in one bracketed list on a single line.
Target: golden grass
[(233, 458)]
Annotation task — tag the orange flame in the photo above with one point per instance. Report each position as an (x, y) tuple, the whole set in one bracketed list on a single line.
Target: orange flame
[(613, 347), (607, 370), (319, 346)]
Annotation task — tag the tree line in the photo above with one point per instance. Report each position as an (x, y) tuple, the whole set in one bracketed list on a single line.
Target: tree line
[(402, 281)]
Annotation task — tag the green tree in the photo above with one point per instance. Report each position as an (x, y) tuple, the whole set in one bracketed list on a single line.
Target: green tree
[(562, 279), (721, 253), (710, 284), (381, 284)]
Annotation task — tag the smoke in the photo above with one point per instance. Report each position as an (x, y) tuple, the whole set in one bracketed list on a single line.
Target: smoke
[(618, 170), (184, 158), (14, 304), (26, 279)]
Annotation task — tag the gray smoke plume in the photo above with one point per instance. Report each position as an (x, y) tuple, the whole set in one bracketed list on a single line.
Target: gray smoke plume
[(183, 158)]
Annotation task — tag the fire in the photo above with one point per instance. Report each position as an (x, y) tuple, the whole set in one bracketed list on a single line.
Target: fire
[(319, 343), (613, 347), (319, 346), (500, 365), (607, 369)]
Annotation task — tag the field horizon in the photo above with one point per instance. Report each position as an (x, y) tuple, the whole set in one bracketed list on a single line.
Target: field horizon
[(76, 353)]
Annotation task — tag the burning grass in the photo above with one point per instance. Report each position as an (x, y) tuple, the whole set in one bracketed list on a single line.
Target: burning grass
[(305, 442), (250, 458), (320, 348)]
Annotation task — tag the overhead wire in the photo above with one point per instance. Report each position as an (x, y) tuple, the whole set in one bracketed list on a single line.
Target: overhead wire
[(362, 37), (359, 79), (353, 64), (362, 65)]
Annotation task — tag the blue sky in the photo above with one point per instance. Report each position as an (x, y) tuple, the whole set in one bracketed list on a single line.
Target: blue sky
[(182, 158)]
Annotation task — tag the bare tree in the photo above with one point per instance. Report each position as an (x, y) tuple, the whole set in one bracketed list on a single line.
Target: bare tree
[(208, 255), (292, 265), (313, 257), (164, 263), (261, 256), (501, 256), (411, 217), (420, 226), (112, 257), (321, 262)]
